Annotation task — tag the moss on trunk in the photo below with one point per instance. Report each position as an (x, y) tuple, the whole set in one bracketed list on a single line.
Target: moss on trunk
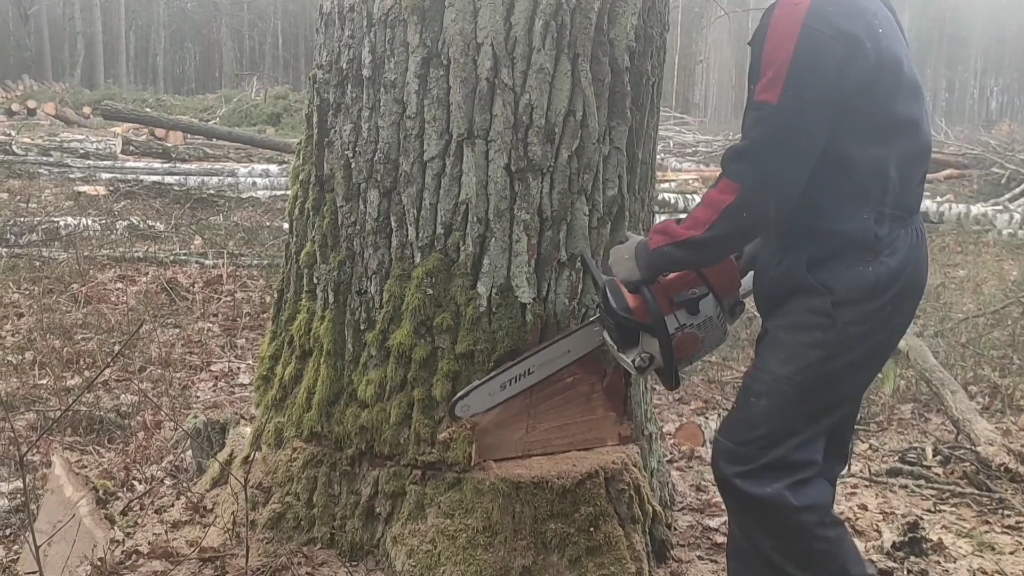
[(460, 156)]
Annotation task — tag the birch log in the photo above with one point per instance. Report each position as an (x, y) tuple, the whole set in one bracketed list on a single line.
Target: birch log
[(1005, 221), (265, 187), (65, 146), (159, 168)]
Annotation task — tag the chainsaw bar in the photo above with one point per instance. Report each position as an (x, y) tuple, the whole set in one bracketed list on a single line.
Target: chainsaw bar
[(527, 371)]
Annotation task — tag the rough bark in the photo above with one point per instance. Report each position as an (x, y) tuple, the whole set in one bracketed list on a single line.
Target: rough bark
[(118, 113), (459, 159)]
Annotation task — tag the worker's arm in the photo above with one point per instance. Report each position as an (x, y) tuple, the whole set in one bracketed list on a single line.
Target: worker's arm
[(785, 130)]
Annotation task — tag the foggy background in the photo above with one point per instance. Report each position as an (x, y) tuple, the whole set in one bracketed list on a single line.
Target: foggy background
[(967, 51)]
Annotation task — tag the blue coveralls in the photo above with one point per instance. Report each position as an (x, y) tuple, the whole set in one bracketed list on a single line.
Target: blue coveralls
[(829, 173)]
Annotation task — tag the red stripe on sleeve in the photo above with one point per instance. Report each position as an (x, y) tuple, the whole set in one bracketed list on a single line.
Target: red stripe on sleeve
[(714, 202), (779, 45)]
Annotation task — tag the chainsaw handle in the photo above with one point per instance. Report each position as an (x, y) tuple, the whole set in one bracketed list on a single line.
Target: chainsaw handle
[(668, 374)]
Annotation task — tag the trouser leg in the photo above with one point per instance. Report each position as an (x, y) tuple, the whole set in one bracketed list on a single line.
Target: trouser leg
[(779, 452)]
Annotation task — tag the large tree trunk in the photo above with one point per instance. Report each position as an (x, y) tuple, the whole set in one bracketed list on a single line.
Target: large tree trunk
[(459, 159)]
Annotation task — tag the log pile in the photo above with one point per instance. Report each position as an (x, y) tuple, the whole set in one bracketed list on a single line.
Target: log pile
[(11, 89)]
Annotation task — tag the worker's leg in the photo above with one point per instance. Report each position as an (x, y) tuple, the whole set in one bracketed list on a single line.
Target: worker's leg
[(780, 449)]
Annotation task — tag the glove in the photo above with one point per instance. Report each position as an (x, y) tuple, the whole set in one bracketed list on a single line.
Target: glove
[(622, 259)]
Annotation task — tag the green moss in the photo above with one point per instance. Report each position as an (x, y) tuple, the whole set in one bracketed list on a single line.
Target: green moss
[(424, 523)]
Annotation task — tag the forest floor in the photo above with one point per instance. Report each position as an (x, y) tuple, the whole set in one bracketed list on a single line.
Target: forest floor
[(79, 273)]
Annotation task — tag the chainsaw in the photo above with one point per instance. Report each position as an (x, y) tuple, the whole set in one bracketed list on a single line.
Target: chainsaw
[(661, 327)]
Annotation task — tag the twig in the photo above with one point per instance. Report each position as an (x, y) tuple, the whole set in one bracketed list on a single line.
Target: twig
[(23, 470), (81, 392)]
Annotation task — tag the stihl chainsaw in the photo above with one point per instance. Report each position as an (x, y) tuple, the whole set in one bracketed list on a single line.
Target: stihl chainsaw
[(663, 327)]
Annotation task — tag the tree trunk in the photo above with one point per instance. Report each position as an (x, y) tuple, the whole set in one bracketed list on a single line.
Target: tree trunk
[(98, 74), (76, 71), (42, 57), (227, 50), (459, 159), (121, 44), (160, 47)]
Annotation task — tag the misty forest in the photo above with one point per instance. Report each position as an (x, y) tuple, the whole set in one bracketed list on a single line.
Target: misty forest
[(251, 250)]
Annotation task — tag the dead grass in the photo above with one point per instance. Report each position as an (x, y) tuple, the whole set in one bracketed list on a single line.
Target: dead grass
[(62, 317)]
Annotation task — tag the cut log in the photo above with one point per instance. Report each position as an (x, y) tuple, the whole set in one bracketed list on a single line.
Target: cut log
[(68, 117), (31, 108), (65, 146), (174, 137), (14, 108), (209, 151), (957, 406), (118, 113), (86, 111), (158, 133), (582, 406), (49, 108), (278, 171)]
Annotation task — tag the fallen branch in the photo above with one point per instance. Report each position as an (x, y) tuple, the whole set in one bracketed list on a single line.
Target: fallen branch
[(957, 406), (119, 113)]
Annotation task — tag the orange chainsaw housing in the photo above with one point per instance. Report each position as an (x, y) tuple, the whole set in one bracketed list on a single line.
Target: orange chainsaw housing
[(626, 313)]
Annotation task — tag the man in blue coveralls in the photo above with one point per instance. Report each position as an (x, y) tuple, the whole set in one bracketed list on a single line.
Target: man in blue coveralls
[(829, 174)]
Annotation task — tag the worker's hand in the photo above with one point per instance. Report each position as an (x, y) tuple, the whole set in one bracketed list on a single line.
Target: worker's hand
[(622, 259)]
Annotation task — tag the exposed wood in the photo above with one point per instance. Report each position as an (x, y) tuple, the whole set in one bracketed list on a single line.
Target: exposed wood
[(31, 108), (119, 113), (582, 406), (49, 108), (69, 118), (174, 137), (86, 111), (14, 108)]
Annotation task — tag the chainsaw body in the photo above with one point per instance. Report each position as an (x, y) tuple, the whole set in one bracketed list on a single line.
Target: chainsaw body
[(661, 327), (672, 323)]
